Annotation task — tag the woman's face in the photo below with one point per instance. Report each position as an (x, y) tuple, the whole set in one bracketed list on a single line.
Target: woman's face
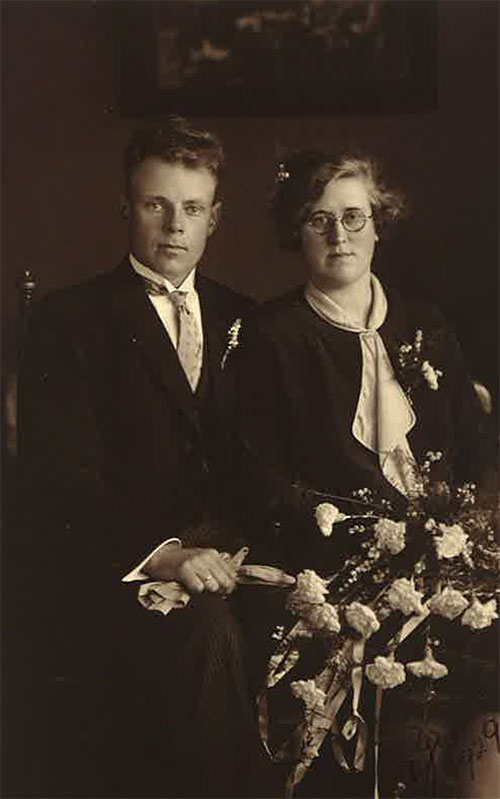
[(339, 258)]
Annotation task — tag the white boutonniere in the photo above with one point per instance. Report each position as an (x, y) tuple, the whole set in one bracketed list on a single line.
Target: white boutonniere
[(413, 366), (232, 340), (431, 375)]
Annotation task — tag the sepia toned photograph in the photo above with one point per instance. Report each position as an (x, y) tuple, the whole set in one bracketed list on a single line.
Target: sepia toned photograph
[(249, 399)]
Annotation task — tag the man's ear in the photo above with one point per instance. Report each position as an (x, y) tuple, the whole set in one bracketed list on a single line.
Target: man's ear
[(215, 214), (124, 207)]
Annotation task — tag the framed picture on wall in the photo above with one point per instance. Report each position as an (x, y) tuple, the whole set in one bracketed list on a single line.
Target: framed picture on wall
[(234, 57)]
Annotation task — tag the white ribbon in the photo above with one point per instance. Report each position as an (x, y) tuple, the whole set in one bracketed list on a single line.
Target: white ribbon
[(355, 724), (408, 627)]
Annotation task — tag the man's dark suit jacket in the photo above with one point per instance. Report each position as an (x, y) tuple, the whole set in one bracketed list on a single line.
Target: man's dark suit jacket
[(117, 453)]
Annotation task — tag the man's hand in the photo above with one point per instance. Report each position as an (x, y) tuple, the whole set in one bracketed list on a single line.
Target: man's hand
[(197, 569)]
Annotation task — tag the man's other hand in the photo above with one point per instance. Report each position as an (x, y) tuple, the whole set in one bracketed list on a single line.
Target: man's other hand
[(197, 569)]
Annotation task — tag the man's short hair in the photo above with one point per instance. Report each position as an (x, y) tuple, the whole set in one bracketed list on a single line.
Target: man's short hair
[(175, 142)]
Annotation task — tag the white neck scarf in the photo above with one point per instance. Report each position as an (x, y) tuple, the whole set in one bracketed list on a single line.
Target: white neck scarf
[(383, 415)]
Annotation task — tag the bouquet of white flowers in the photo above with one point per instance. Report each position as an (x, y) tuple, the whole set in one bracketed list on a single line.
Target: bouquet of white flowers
[(440, 560)]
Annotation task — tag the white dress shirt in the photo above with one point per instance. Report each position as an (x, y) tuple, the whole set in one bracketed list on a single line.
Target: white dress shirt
[(162, 303)]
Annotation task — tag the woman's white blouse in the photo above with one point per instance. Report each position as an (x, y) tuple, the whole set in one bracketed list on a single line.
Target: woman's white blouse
[(383, 416)]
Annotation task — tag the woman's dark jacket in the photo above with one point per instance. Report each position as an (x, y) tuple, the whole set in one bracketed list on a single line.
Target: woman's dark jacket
[(298, 383)]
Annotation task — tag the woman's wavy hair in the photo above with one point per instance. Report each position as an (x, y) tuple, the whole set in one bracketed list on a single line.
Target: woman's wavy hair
[(300, 182)]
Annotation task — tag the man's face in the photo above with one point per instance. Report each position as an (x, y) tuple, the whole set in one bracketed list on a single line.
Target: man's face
[(171, 213)]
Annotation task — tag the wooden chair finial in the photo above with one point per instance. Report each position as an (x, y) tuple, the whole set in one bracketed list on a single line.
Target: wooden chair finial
[(27, 289)]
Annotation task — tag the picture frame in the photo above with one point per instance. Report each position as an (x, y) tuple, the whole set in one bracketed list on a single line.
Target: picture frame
[(292, 57)]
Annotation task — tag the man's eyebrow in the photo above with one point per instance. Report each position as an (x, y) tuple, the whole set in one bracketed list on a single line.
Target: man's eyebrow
[(162, 197)]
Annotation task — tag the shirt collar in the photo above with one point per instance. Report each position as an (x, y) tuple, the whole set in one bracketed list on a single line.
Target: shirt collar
[(187, 285), (335, 314)]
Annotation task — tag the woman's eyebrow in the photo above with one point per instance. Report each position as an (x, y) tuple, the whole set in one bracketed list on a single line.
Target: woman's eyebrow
[(332, 213)]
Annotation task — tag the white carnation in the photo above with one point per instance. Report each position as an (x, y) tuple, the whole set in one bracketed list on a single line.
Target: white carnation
[(323, 618), (362, 618), (403, 596), (452, 542), (428, 667), (311, 590), (390, 535), (311, 695), (480, 615), (449, 603), (386, 672), (326, 516)]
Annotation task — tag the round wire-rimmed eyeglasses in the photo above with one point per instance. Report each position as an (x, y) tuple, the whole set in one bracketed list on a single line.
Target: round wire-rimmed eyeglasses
[(352, 219)]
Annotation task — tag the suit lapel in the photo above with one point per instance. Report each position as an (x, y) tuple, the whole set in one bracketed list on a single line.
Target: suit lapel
[(142, 328), (214, 332)]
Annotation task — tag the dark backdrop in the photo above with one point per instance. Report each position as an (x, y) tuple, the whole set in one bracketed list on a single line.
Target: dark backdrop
[(63, 135)]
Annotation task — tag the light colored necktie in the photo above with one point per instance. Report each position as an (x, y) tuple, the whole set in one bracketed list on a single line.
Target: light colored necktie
[(189, 348)]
